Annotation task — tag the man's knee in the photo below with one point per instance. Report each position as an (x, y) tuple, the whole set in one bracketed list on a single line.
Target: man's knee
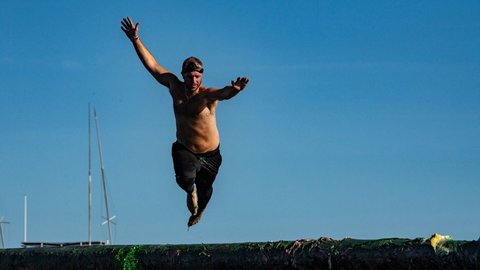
[(205, 179), (186, 183)]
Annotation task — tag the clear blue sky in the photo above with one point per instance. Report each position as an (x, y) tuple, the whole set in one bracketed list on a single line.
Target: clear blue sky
[(361, 119)]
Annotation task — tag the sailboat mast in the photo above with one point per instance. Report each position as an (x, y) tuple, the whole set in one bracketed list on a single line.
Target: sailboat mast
[(1, 231), (103, 176), (25, 218), (89, 179)]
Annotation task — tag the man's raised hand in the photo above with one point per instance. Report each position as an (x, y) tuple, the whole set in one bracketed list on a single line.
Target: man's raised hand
[(240, 83), (130, 30)]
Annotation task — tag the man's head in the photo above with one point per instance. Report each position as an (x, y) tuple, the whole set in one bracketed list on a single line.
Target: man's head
[(192, 72)]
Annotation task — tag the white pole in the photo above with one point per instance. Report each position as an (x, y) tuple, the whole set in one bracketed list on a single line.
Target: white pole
[(103, 176), (89, 180), (1, 231), (1, 235), (25, 220)]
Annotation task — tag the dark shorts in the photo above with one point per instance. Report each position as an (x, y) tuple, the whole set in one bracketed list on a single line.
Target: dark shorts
[(198, 169)]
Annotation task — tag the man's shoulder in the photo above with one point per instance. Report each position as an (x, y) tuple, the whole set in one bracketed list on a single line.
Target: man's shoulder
[(176, 87), (203, 89)]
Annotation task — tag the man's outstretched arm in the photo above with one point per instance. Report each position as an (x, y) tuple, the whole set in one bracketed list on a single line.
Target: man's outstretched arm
[(161, 74), (228, 91)]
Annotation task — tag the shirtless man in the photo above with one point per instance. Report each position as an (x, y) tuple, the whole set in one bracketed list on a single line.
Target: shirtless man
[(196, 153)]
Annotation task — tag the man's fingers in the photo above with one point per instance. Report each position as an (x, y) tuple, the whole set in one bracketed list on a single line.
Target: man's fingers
[(125, 26), (243, 80), (240, 82), (136, 27), (128, 23)]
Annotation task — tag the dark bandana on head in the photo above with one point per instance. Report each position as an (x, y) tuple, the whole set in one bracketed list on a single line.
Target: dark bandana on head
[(192, 67)]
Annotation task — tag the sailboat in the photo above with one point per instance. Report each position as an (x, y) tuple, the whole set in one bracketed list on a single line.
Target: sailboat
[(108, 219)]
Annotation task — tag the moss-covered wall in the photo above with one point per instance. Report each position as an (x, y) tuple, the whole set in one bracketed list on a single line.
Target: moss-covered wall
[(324, 253)]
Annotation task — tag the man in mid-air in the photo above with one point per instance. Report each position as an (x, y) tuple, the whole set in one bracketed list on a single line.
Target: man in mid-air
[(196, 153)]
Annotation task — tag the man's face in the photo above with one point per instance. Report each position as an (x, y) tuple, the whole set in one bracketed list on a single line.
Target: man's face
[(193, 80)]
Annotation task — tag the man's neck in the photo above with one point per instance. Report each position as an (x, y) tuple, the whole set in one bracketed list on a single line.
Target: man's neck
[(190, 93)]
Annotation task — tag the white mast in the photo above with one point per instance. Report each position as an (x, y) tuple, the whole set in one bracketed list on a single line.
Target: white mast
[(25, 219), (1, 231), (89, 179), (108, 218)]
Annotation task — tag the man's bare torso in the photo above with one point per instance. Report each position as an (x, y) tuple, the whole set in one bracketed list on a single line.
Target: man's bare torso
[(195, 120)]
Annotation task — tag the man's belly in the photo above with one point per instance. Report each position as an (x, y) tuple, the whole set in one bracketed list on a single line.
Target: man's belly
[(199, 141), (198, 132)]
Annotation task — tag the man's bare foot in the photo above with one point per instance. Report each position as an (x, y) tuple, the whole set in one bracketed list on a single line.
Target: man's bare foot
[(192, 202), (194, 219)]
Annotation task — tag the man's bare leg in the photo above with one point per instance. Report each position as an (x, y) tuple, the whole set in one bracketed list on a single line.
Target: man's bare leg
[(204, 193), (192, 201)]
